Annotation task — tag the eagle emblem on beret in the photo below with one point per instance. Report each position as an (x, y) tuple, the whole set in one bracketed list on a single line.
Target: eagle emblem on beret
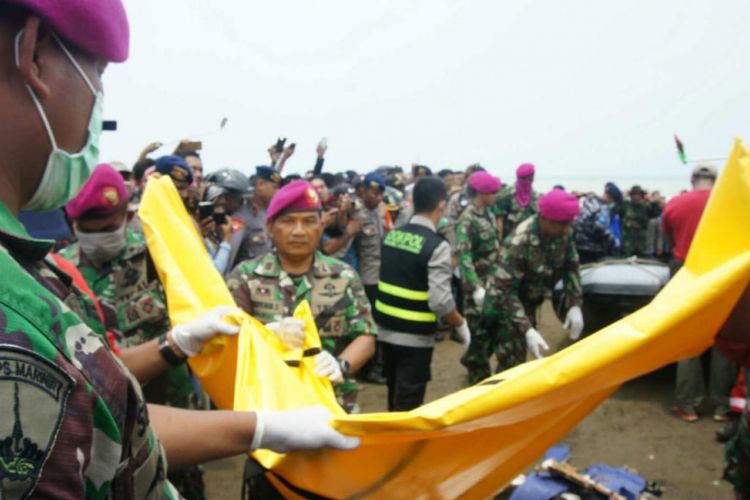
[(110, 197), (312, 196)]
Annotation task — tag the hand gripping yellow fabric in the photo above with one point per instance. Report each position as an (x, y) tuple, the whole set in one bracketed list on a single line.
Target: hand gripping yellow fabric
[(473, 442)]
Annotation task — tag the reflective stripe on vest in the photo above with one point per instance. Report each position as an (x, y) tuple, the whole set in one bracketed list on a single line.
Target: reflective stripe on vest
[(406, 314), (403, 293)]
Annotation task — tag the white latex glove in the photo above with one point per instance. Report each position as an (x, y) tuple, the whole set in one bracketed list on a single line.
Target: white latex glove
[(191, 336), (535, 342), (302, 429), (328, 366), (291, 332), (464, 334), (574, 322), (478, 296)]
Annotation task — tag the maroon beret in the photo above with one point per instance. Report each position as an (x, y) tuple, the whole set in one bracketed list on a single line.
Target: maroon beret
[(559, 206), (297, 196), (103, 194), (484, 182), (100, 27)]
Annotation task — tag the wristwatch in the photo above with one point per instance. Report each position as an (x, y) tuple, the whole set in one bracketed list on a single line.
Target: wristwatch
[(346, 368), (168, 353)]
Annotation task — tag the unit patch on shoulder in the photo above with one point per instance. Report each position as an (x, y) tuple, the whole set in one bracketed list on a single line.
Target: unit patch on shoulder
[(33, 396)]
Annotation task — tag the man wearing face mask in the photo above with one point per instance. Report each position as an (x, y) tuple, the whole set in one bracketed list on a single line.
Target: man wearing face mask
[(117, 267), (77, 421), (517, 203)]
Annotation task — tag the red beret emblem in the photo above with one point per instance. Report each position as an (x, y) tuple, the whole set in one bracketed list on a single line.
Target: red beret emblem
[(312, 196), (110, 198)]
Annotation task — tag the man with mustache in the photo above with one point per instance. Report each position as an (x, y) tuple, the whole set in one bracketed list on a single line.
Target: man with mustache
[(270, 288)]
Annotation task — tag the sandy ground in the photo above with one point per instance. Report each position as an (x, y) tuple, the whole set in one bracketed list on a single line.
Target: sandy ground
[(632, 428)]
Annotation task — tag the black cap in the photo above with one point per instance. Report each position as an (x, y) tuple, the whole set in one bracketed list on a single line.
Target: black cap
[(268, 174)]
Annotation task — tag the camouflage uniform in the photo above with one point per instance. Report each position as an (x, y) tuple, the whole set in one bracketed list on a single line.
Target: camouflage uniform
[(456, 204), (529, 269), (129, 288), (342, 312), (507, 207), (73, 421), (477, 247), (635, 219)]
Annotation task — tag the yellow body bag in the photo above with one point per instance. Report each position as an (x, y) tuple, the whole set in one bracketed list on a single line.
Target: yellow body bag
[(473, 442)]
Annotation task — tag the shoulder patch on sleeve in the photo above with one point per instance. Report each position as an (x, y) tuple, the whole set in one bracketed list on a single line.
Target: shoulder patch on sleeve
[(33, 396)]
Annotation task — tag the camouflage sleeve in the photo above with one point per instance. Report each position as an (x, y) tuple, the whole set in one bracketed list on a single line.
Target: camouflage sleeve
[(464, 236), (358, 313), (498, 286), (572, 276), (502, 205), (237, 284), (512, 263)]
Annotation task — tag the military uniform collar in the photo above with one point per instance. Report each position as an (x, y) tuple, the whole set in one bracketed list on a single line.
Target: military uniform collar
[(479, 211), (16, 239), (134, 244), (269, 266), (535, 235), (324, 266)]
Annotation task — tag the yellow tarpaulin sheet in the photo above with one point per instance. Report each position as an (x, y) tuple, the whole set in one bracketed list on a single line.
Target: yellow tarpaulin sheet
[(473, 442)]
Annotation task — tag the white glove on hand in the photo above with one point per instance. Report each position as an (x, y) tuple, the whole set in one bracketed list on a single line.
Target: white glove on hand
[(478, 296), (535, 342), (328, 366), (291, 332), (190, 337), (464, 334), (302, 429), (574, 322)]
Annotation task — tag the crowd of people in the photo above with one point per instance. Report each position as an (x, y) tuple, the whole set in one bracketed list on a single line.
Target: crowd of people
[(388, 260), (92, 371)]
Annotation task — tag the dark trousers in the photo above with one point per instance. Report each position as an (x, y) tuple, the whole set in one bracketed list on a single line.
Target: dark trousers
[(374, 367), (371, 291), (407, 371)]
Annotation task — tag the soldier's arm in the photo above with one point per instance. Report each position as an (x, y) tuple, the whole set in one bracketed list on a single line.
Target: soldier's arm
[(512, 265), (572, 275), (359, 351), (464, 235), (144, 360), (360, 325), (500, 210), (191, 437)]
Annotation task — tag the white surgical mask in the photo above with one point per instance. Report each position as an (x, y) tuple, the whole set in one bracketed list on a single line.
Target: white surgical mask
[(65, 173), (102, 247)]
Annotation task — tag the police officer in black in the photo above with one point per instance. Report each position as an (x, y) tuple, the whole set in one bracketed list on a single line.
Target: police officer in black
[(413, 293)]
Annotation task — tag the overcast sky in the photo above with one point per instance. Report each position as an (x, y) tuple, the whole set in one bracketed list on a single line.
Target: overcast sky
[(586, 90)]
